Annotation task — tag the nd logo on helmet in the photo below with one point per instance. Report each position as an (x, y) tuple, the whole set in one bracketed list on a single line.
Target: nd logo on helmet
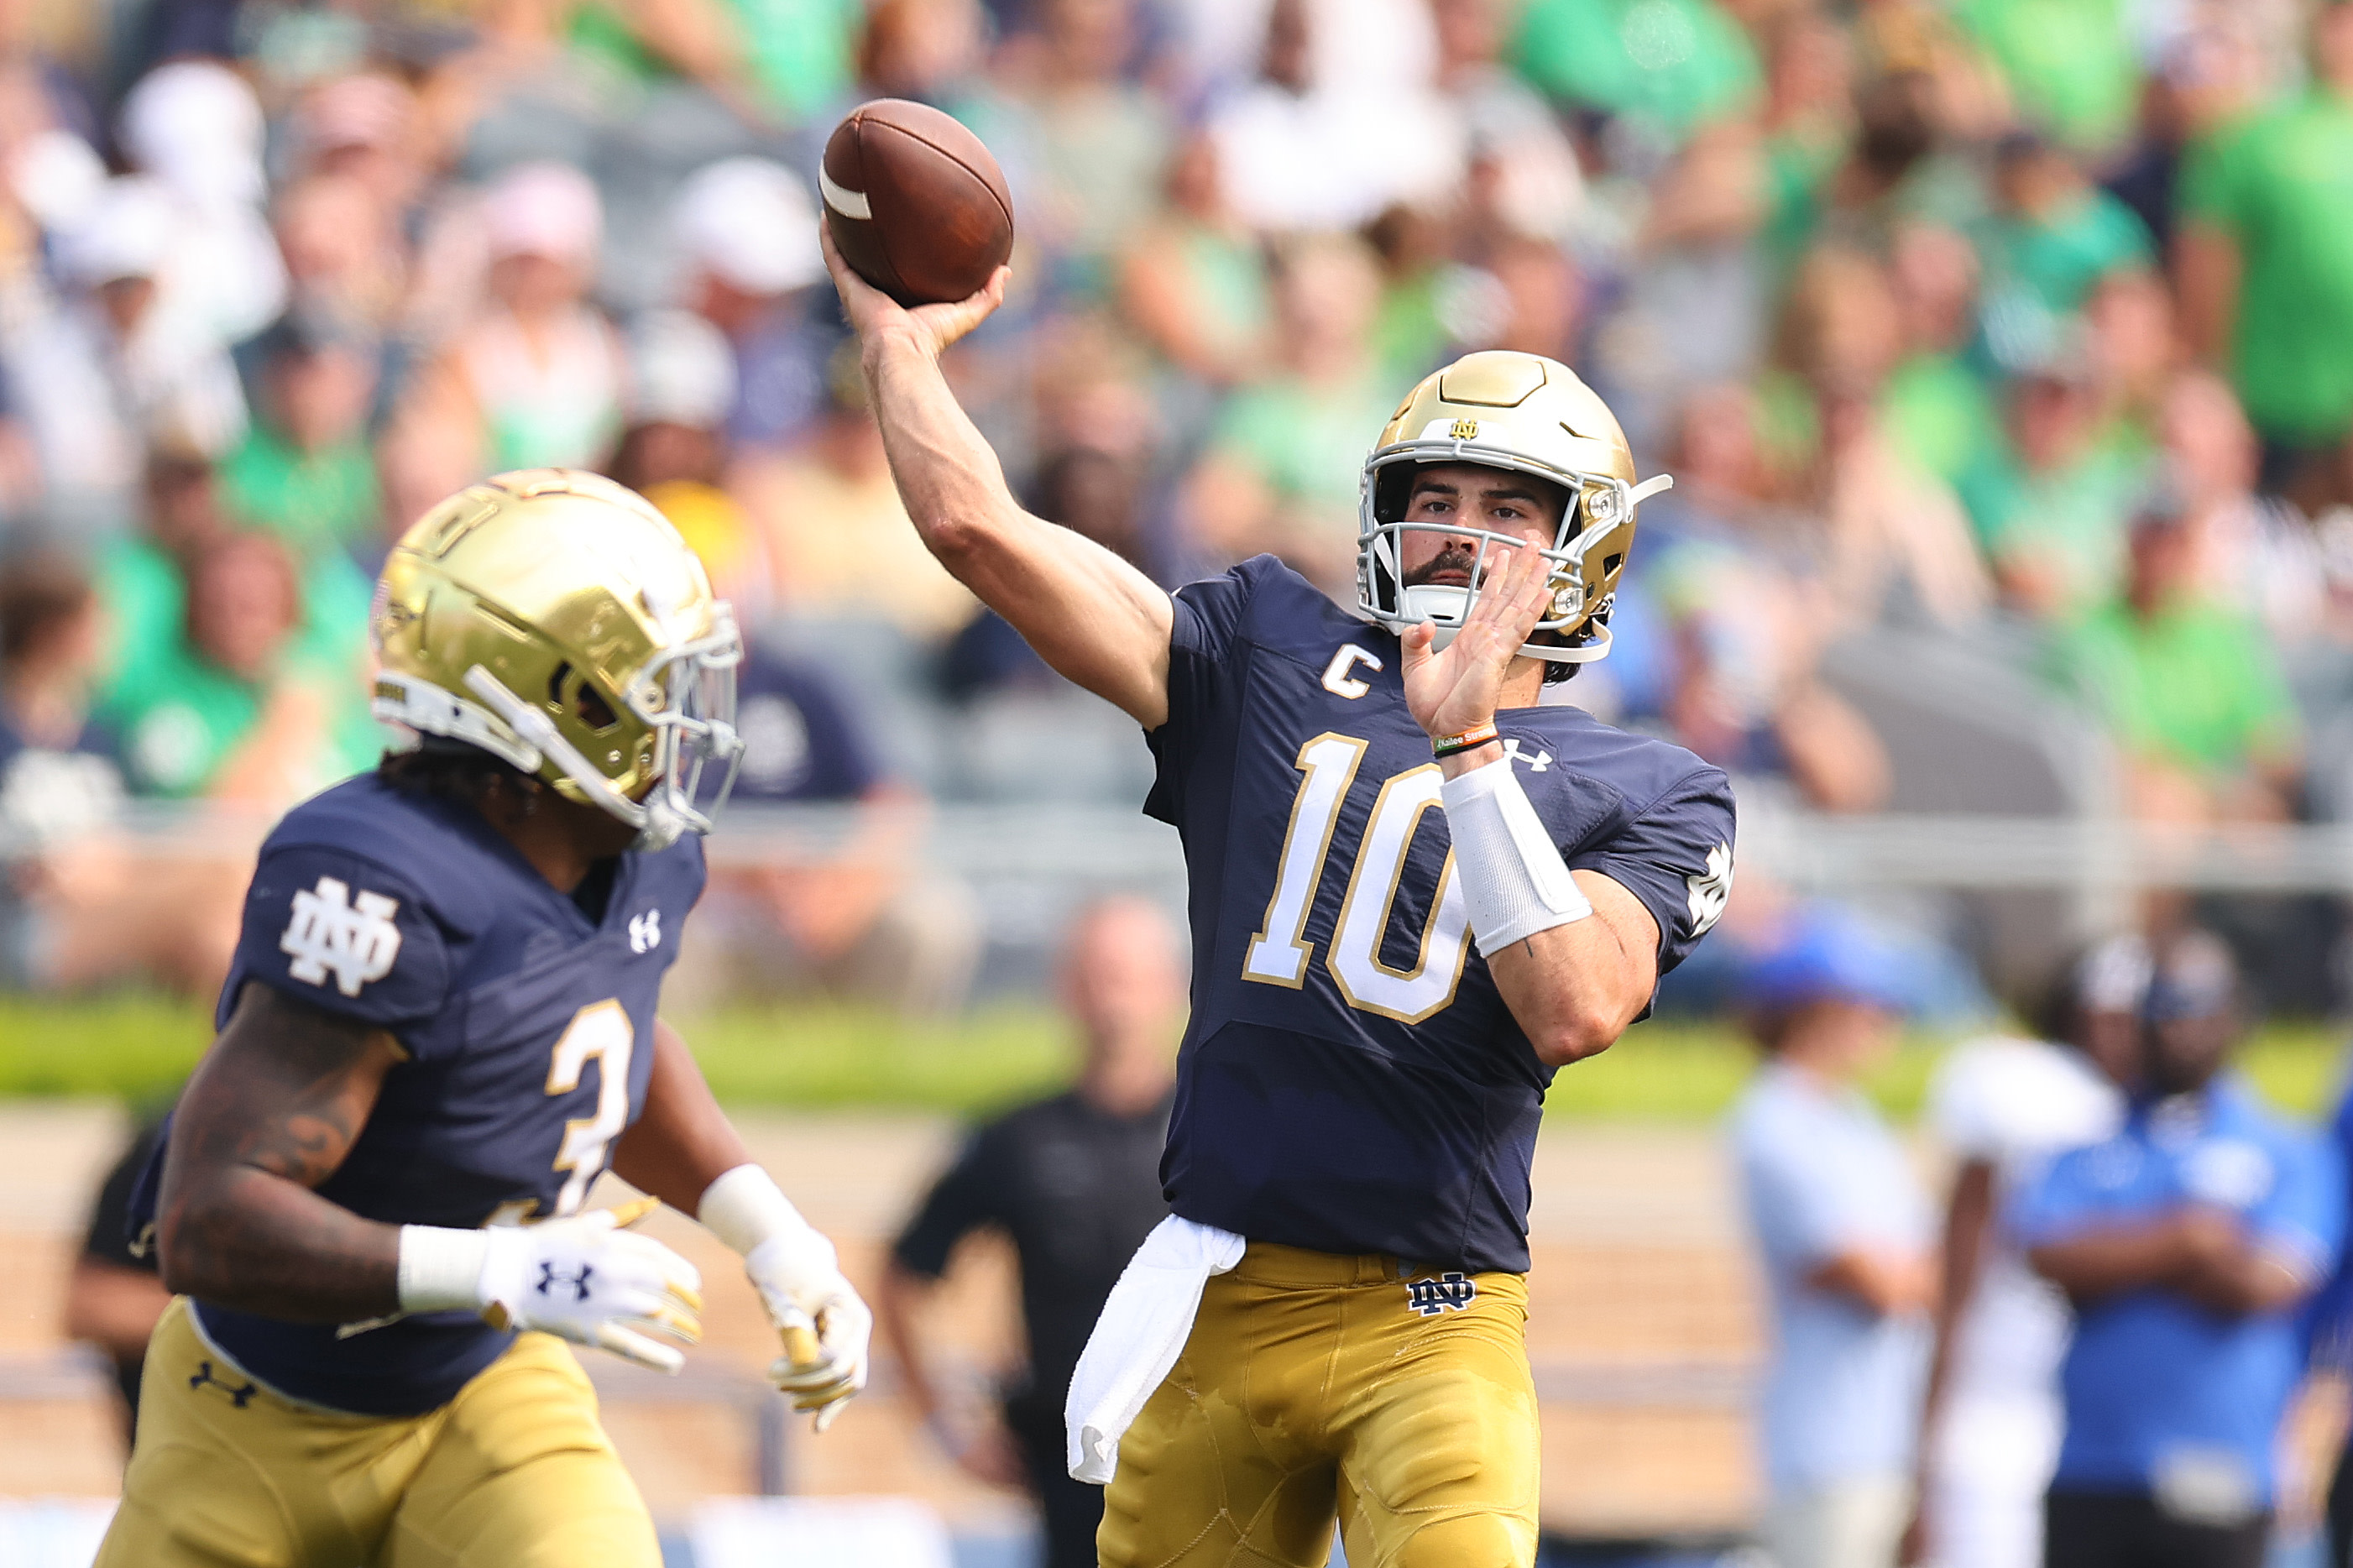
[(1465, 430)]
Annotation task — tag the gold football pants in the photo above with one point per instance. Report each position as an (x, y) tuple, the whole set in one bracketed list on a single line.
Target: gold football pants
[(513, 1473), (1317, 1386)]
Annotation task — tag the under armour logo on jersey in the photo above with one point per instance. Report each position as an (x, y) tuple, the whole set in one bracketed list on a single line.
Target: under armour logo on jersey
[(237, 1396), (1710, 889), (644, 931), (331, 929), (1451, 1292), (551, 1281), (1537, 761)]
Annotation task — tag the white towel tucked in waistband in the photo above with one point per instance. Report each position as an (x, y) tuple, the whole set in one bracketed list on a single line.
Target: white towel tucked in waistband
[(1143, 1330)]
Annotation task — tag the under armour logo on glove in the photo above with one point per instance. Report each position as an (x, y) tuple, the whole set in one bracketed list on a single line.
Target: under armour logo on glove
[(332, 930), (237, 1396), (1451, 1292), (576, 1282), (644, 931)]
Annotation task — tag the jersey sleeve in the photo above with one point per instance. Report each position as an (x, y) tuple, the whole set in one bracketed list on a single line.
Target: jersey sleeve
[(1962, 1105), (1202, 637), (1676, 857), (343, 933), (963, 1199)]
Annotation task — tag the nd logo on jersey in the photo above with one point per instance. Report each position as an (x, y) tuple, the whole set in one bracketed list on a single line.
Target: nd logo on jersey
[(332, 930)]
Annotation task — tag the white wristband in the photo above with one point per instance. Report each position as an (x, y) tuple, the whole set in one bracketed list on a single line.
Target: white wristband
[(441, 1268), (746, 1207), (1512, 876)]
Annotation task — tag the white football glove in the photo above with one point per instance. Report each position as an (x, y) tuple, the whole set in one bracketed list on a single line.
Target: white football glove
[(582, 1278), (824, 1324)]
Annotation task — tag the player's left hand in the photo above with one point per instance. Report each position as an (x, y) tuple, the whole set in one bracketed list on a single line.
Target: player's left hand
[(808, 1297), (1458, 689)]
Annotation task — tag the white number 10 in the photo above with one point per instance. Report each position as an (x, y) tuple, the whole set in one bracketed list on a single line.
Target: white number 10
[(1279, 955)]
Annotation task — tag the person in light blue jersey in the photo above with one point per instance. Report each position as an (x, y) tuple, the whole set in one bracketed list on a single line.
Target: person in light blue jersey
[(2188, 1243), (1845, 1233)]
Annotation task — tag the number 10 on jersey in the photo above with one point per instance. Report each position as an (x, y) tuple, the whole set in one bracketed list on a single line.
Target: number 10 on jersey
[(1280, 952)]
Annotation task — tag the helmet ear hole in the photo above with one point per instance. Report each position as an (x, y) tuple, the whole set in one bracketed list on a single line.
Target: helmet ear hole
[(585, 702), (594, 711), (1611, 561)]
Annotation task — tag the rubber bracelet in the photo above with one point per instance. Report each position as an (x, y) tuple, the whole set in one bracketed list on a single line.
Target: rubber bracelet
[(1447, 745)]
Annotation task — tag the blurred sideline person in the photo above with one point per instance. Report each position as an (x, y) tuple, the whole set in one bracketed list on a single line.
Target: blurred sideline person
[(440, 1025), (2005, 1107), (1074, 1182), (113, 1297), (1845, 1233), (2188, 1242), (2332, 1350)]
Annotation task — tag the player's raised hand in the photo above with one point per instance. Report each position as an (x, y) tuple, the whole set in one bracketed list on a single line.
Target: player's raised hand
[(1456, 690), (873, 313), (587, 1279)]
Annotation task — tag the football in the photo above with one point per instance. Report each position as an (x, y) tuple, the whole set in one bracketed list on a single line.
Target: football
[(916, 205)]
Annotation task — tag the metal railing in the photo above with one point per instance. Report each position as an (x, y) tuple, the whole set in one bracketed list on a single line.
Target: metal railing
[(1807, 852)]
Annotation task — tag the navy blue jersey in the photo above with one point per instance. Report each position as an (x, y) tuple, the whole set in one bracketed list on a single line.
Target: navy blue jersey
[(529, 1034), (1351, 1081)]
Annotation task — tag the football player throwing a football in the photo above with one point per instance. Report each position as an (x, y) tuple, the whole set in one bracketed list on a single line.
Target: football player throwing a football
[(438, 1030), (1416, 893)]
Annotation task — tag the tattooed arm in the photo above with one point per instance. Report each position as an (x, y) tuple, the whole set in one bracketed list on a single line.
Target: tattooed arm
[(271, 1112)]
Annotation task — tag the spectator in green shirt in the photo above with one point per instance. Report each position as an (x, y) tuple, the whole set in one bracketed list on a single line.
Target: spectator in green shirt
[(2192, 691), (2053, 235), (143, 577), (2055, 499), (233, 710), (305, 471), (1673, 64), (2266, 256), (1281, 467), (2070, 64)]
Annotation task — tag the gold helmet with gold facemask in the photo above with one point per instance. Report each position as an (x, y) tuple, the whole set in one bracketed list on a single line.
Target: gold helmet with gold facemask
[(557, 620), (1521, 412)]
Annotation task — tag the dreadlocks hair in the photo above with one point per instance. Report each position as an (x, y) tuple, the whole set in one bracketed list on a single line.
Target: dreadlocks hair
[(454, 770)]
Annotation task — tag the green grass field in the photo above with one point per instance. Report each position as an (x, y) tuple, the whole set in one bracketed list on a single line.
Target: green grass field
[(825, 1055)]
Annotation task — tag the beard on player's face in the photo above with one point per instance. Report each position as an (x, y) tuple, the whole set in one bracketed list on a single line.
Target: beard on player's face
[(1455, 561)]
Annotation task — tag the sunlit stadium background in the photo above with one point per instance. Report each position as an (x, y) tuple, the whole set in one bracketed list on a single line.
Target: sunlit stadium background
[(1917, 299)]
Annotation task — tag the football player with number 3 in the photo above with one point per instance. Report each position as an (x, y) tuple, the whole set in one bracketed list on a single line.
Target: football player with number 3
[(438, 1030), (1416, 893)]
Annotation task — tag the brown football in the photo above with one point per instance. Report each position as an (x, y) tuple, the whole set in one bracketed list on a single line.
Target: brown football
[(917, 206)]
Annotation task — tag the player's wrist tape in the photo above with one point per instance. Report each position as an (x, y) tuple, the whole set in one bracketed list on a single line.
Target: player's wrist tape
[(1512, 876), (746, 1207), (1447, 745), (441, 1268)]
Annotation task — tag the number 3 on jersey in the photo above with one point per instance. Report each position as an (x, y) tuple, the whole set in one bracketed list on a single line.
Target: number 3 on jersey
[(603, 1030), (1279, 955)]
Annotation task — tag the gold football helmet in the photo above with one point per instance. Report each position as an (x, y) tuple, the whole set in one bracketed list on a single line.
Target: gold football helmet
[(557, 620), (1523, 412)]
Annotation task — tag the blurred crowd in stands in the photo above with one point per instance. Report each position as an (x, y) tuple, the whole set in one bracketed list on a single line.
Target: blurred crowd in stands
[(2028, 322)]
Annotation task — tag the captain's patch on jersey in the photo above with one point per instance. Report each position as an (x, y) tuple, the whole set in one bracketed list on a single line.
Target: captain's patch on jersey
[(1710, 890), (1453, 1291), (335, 933)]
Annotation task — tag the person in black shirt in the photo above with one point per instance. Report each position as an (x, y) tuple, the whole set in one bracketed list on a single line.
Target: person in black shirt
[(1074, 1183), (113, 1297)]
